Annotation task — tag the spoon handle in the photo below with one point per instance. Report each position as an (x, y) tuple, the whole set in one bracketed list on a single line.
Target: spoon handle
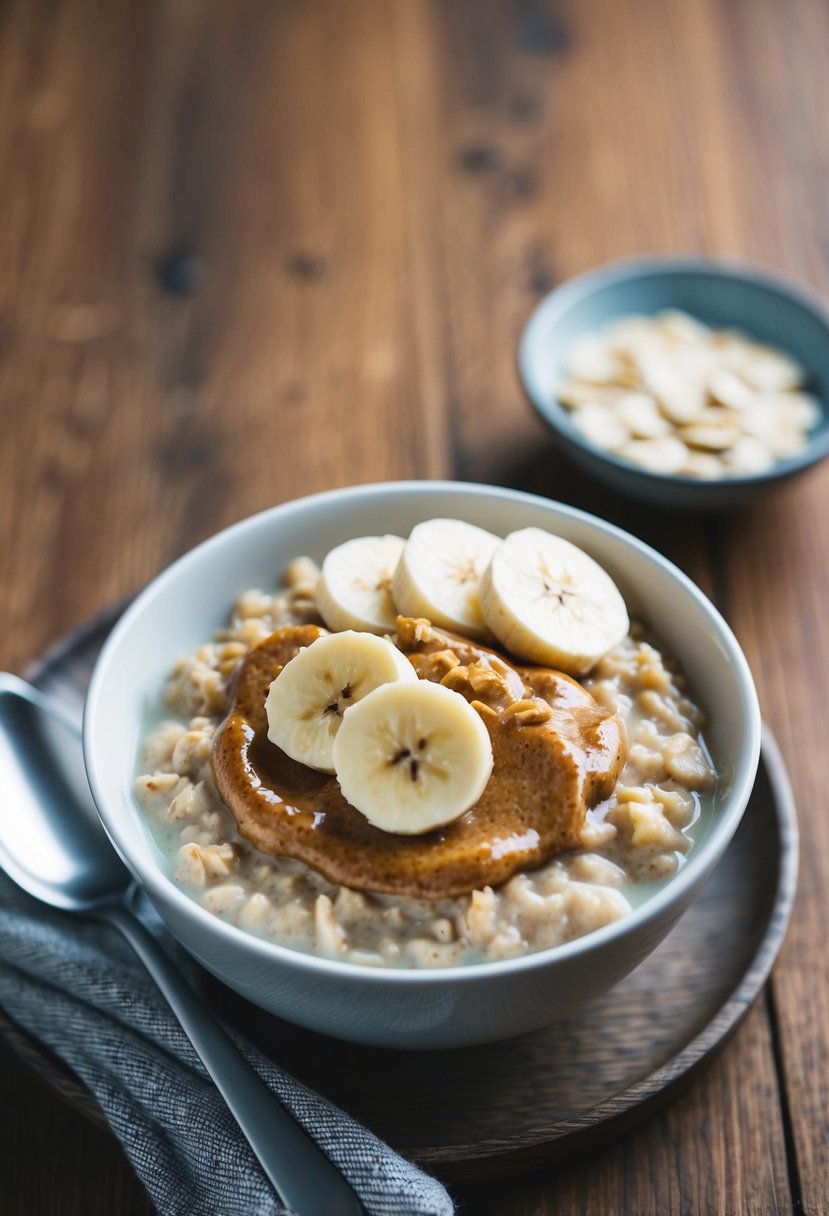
[(303, 1177)]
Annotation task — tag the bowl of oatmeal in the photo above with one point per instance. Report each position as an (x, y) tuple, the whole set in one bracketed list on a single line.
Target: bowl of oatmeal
[(687, 382), (453, 896)]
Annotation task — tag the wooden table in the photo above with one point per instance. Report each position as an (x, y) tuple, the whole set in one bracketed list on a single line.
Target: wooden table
[(253, 250)]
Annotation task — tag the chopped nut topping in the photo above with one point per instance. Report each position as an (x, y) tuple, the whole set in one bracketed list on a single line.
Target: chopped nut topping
[(673, 396), (531, 712)]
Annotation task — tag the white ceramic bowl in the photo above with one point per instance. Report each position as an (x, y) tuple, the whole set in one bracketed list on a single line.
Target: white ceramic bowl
[(443, 1008)]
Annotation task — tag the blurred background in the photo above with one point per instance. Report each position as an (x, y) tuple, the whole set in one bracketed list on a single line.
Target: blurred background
[(257, 249), (235, 231)]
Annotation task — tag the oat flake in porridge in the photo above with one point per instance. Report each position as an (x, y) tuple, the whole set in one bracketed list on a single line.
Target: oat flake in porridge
[(631, 841)]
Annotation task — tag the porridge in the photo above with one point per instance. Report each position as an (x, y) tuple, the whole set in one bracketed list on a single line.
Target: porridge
[(673, 396), (578, 794)]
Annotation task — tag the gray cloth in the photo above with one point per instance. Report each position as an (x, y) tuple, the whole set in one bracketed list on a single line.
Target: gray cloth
[(76, 986)]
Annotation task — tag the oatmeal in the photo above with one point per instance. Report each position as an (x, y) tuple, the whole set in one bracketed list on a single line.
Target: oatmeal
[(633, 830)]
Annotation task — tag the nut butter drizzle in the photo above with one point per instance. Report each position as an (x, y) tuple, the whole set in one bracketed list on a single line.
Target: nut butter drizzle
[(556, 754)]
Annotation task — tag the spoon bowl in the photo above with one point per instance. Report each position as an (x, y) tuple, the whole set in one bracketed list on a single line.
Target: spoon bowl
[(62, 859)]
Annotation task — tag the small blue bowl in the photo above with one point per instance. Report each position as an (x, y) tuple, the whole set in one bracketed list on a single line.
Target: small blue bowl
[(723, 294)]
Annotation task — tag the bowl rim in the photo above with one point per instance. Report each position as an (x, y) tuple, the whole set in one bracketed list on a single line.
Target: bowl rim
[(629, 268), (161, 887)]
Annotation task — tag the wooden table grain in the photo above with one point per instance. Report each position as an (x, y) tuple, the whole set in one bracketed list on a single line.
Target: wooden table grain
[(256, 249)]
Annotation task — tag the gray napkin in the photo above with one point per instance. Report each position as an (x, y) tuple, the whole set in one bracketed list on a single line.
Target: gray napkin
[(77, 987)]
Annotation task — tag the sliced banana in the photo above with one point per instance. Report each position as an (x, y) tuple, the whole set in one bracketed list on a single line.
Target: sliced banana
[(438, 574), (354, 587), (307, 700), (412, 757), (549, 602)]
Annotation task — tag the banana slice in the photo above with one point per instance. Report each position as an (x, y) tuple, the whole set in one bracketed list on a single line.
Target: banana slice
[(354, 588), (438, 574), (547, 601), (307, 700), (412, 757)]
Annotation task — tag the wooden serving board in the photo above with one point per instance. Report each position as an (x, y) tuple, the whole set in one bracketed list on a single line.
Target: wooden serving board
[(488, 1111)]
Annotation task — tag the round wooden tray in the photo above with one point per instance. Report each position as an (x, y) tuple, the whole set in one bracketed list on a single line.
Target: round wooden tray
[(488, 1111)]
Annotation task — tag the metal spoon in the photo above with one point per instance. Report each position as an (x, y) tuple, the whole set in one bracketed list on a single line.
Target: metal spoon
[(52, 844)]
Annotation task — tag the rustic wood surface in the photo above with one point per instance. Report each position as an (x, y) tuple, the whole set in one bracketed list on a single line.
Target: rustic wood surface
[(257, 249)]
